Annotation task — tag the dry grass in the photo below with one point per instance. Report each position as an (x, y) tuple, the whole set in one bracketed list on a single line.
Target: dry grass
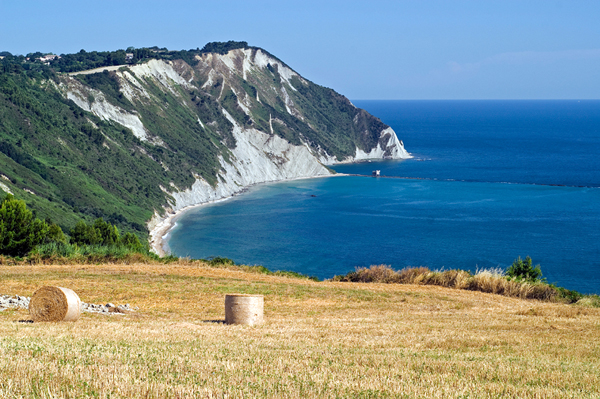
[(326, 339), (490, 281)]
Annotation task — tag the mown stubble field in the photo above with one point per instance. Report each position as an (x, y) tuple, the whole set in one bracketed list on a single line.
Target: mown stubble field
[(320, 339)]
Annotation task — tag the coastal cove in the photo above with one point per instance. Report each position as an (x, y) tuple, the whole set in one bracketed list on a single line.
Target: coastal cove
[(493, 180)]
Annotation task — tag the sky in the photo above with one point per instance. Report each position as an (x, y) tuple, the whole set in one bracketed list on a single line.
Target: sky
[(403, 49)]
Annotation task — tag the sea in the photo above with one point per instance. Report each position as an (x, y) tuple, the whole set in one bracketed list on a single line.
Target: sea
[(489, 181)]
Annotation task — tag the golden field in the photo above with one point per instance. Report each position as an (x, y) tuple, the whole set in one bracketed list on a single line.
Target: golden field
[(319, 339)]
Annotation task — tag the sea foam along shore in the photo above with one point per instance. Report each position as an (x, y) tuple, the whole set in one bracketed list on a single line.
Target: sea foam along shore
[(160, 232)]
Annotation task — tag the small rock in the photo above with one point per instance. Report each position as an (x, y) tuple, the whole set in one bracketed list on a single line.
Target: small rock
[(17, 301)]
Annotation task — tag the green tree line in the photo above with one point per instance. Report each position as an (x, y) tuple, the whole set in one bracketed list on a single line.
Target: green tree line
[(21, 232)]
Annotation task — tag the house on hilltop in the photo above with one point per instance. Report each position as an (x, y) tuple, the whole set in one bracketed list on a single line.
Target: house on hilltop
[(47, 58)]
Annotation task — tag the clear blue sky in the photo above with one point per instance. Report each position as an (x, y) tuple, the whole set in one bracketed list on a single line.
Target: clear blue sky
[(404, 49)]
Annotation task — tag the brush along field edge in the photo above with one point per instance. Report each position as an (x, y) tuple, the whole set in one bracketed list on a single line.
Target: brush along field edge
[(323, 339)]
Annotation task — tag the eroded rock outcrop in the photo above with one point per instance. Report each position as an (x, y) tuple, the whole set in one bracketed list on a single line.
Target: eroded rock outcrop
[(253, 117)]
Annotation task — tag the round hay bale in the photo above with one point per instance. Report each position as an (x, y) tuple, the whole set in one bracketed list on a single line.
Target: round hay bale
[(244, 309), (54, 304)]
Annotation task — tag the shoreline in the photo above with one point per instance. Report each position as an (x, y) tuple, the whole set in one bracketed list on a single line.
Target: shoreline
[(160, 232)]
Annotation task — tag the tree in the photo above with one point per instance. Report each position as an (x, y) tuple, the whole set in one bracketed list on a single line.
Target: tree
[(108, 234), (131, 241), (522, 270), (82, 234), (55, 234), (19, 231), (102, 233)]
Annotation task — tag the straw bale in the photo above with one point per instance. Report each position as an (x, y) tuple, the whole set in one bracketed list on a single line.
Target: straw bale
[(55, 304), (244, 309)]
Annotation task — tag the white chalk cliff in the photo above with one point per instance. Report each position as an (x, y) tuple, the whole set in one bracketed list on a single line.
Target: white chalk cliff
[(259, 154)]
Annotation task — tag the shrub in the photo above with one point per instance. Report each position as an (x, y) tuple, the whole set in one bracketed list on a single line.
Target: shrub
[(568, 296), (218, 261), (82, 234), (20, 232), (105, 234), (69, 253), (493, 281), (521, 270), (52, 250), (460, 279), (592, 301), (373, 274), (131, 241), (409, 275), (55, 235)]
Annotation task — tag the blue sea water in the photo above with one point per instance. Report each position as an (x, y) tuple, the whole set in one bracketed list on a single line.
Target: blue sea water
[(492, 180)]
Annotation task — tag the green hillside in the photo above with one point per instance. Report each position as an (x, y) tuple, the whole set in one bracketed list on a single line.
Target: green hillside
[(69, 163)]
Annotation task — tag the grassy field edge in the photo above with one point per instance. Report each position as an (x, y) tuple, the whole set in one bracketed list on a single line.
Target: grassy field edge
[(319, 339)]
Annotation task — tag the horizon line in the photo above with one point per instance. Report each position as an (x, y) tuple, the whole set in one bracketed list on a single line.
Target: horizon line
[(475, 99)]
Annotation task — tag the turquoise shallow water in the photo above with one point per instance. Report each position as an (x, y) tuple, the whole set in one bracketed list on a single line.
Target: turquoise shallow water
[(499, 180)]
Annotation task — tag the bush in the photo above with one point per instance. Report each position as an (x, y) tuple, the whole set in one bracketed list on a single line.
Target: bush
[(385, 274), (521, 270), (592, 301), (491, 281), (69, 253), (568, 296), (104, 234), (132, 242), (107, 233), (55, 235), (373, 274), (219, 261), (82, 234), (20, 232), (459, 279), (409, 275)]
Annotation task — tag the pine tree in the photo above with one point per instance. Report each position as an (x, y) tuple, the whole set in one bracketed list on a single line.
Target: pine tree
[(19, 231)]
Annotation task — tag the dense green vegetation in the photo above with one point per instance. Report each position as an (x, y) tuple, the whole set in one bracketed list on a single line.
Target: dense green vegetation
[(341, 126), (102, 233), (223, 47), (50, 148), (20, 231), (84, 60), (70, 165), (75, 165), (326, 119), (522, 270), (22, 235)]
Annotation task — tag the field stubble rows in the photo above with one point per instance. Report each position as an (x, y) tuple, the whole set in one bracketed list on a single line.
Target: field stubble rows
[(320, 339)]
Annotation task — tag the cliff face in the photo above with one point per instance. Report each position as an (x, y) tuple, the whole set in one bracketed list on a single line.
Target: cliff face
[(276, 131), (182, 133)]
